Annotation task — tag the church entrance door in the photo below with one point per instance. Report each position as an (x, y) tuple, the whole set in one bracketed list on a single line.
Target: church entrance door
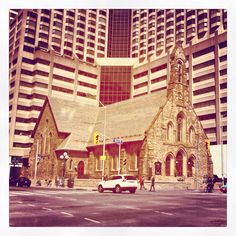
[(80, 169), (179, 164)]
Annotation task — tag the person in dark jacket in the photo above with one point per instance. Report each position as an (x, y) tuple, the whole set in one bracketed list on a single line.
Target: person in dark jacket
[(152, 184)]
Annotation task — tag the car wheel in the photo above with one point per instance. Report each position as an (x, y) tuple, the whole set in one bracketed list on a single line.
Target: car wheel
[(118, 189), (100, 189), (132, 190)]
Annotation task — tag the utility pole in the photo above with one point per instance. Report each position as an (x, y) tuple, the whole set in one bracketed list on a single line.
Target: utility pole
[(104, 139)]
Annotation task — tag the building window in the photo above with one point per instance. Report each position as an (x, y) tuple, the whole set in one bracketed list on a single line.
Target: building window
[(133, 163), (191, 135), (170, 131), (71, 164), (180, 71), (115, 84), (49, 143), (158, 168), (98, 164), (180, 127), (40, 148), (114, 163)]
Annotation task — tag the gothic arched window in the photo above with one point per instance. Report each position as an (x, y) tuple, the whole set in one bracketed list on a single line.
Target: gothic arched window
[(170, 131), (191, 135), (180, 127), (180, 70)]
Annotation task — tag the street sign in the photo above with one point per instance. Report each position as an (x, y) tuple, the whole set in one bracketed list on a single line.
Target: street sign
[(117, 140), (102, 158)]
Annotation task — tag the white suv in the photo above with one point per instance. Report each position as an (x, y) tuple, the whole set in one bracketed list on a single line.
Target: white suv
[(119, 183)]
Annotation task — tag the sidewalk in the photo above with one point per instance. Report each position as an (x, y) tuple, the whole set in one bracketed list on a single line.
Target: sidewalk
[(56, 188), (65, 188)]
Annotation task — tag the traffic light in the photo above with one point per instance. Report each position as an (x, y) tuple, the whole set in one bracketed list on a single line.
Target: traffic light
[(124, 162), (207, 141), (96, 137)]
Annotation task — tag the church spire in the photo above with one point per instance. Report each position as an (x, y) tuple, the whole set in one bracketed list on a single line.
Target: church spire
[(178, 74)]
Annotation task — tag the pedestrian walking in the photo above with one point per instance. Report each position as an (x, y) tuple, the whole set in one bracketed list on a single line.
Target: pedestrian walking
[(141, 182), (152, 184)]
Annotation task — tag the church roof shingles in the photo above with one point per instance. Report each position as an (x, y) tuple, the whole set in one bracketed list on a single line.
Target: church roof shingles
[(127, 119)]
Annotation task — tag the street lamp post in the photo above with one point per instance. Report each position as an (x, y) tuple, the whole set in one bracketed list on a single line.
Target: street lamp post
[(36, 161), (64, 157)]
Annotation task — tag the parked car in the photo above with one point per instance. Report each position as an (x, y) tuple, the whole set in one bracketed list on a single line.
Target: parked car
[(20, 182), (223, 188), (216, 179), (119, 183), (13, 181)]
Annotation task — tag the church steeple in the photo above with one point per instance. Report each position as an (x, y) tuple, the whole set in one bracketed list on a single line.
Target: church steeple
[(178, 76)]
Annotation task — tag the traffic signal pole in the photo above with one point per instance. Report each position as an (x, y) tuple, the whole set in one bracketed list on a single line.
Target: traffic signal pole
[(119, 159), (104, 139)]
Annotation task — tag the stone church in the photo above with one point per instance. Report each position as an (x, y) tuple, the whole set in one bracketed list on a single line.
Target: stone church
[(160, 132)]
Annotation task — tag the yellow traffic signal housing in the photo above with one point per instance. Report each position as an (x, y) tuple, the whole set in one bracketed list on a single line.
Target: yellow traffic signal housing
[(96, 137), (208, 143)]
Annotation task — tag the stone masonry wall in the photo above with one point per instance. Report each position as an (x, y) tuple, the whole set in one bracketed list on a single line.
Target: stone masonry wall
[(48, 166)]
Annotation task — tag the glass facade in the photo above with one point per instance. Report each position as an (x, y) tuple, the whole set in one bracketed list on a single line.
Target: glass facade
[(119, 33), (115, 84)]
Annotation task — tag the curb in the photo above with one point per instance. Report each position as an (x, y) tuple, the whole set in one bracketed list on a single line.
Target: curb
[(54, 188)]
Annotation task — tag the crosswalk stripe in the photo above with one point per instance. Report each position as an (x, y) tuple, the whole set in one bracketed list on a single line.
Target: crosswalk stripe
[(94, 221), (66, 213)]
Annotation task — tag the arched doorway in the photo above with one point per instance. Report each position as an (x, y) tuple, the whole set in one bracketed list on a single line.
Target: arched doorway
[(80, 169), (190, 167), (158, 168), (168, 165), (179, 164)]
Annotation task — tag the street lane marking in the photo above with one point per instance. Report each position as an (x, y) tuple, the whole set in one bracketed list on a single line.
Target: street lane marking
[(22, 193), (164, 213), (19, 202), (58, 197), (45, 208), (88, 201), (31, 205), (94, 221), (71, 199), (65, 213)]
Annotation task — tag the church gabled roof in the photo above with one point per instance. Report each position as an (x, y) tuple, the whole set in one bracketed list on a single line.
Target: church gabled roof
[(75, 118), (127, 119)]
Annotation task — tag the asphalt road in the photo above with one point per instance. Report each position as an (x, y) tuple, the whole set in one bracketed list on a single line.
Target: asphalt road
[(44, 207)]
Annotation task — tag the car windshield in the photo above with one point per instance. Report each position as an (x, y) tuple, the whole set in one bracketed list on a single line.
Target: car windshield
[(130, 177)]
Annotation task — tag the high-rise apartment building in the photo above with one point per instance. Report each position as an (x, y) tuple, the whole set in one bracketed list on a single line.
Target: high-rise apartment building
[(89, 55)]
